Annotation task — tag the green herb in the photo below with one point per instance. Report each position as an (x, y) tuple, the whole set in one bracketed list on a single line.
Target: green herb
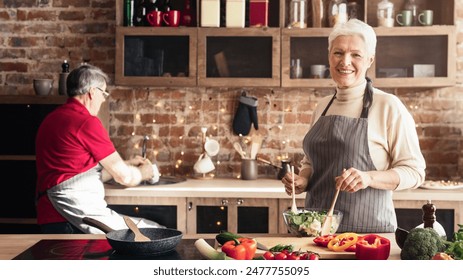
[(455, 247), (280, 247)]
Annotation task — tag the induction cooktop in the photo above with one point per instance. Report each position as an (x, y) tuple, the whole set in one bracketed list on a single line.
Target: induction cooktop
[(97, 249)]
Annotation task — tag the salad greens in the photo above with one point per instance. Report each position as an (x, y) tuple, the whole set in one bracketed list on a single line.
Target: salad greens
[(307, 222), (455, 247)]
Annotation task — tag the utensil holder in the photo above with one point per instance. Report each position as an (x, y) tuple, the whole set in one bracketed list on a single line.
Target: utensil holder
[(249, 169)]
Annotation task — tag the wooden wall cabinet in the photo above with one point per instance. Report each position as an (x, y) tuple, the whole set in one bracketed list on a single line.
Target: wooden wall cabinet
[(415, 56)]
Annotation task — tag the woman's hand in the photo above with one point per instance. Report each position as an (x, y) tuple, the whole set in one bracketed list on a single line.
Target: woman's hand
[(352, 180), (300, 183)]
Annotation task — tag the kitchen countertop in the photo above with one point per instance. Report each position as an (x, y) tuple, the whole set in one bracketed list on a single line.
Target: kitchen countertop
[(12, 245), (260, 188)]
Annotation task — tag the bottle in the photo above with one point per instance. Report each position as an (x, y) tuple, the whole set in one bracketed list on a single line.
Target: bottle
[(151, 6), (128, 13), (62, 78), (188, 15), (298, 14), (337, 12), (140, 14), (385, 14), (166, 6), (412, 6)]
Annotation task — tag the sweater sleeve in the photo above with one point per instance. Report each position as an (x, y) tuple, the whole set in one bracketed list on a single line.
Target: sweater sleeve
[(402, 142)]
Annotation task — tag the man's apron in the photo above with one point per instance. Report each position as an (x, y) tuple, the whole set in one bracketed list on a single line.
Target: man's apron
[(83, 196), (338, 142)]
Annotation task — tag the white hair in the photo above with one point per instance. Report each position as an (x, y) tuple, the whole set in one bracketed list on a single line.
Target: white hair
[(355, 27)]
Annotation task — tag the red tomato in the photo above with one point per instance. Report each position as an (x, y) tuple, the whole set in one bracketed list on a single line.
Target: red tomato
[(323, 240), (313, 256), (268, 255), (293, 256), (281, 256)]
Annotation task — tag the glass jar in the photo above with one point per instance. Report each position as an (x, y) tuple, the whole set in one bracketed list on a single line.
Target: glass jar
[(353, 10), (298, 14), (412, 6), (337, 12), (385, 14)]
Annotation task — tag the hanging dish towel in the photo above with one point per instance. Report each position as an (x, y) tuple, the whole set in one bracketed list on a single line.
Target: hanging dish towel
[(246, 115)]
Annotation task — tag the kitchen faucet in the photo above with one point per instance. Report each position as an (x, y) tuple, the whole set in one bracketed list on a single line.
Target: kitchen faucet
[(143, 148)]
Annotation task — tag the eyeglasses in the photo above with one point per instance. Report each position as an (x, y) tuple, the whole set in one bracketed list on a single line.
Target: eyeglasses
[(105, 93)]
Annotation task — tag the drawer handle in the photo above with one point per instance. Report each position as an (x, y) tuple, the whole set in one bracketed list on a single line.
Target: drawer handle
[(224, 202), (190, 206), (239, 201)]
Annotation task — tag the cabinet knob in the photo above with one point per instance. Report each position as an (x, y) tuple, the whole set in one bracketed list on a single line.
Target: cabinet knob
[(224, 202), (239, 201), (190, 206)]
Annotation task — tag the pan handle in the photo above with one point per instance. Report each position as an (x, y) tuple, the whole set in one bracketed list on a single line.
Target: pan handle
[(95, 223)]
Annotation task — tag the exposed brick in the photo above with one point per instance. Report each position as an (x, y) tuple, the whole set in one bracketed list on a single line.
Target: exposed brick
[(71, 3), (71, 15), (20, 3), (13, 67)]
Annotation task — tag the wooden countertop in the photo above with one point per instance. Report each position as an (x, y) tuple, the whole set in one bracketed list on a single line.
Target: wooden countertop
[(12, 245), (260, 188)]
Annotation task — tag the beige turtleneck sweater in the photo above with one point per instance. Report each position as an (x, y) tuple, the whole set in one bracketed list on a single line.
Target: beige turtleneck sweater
[(392, 138)]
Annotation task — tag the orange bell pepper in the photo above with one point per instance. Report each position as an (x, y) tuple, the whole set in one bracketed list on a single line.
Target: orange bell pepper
[(342, 241), (240, 249)]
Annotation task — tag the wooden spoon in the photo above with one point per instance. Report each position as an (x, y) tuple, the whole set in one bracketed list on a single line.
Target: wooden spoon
[(293, 194), (139, 237), (326, 228)]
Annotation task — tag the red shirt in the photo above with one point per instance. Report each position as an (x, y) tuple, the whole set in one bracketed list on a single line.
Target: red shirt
[(69, 141)]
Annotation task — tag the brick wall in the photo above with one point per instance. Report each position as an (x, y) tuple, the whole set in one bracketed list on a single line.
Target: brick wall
[(37, 35)]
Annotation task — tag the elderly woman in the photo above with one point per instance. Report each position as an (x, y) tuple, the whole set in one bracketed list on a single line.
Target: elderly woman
[(362, 140)]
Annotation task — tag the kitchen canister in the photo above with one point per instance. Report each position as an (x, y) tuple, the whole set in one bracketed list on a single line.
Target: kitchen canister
[(235, 13), (258, 13), (210, 13)]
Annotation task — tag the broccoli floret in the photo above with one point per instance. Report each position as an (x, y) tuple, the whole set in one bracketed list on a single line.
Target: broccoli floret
[(422, 244)]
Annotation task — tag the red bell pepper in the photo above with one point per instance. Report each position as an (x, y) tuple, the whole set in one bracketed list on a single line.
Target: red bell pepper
[(323, 240), (373, 247), (240, 249)]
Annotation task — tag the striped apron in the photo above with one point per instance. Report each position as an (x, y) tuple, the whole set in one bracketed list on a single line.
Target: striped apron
[(338, 142)]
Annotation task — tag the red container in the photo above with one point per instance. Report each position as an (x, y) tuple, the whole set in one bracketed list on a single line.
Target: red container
[(258, 13)]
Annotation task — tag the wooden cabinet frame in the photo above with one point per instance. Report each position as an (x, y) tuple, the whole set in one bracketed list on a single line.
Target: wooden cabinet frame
[(189, 80), (204, 33), (233, 204)]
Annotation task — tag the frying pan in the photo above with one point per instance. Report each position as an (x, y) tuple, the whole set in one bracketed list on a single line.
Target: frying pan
[(163, 240)]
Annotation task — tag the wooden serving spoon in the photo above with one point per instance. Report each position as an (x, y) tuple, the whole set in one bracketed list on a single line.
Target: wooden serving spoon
[(139, 237), (326, 228)]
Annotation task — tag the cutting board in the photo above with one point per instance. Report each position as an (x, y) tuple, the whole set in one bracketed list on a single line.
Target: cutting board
[(305, 244)]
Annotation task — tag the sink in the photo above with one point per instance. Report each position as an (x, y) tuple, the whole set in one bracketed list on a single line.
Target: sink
[(166, 180), (163, 180)]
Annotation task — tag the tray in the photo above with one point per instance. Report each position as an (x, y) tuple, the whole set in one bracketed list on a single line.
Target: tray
[(442, 185)]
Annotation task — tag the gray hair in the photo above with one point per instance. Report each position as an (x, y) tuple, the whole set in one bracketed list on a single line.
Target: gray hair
[(84, 77), (355, 27)]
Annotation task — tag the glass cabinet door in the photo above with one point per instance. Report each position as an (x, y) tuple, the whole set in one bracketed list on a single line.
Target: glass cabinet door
[(156, 56), (239, 57)]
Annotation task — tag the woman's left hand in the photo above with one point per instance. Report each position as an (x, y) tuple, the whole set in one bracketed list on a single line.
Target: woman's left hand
[(352, 180)]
